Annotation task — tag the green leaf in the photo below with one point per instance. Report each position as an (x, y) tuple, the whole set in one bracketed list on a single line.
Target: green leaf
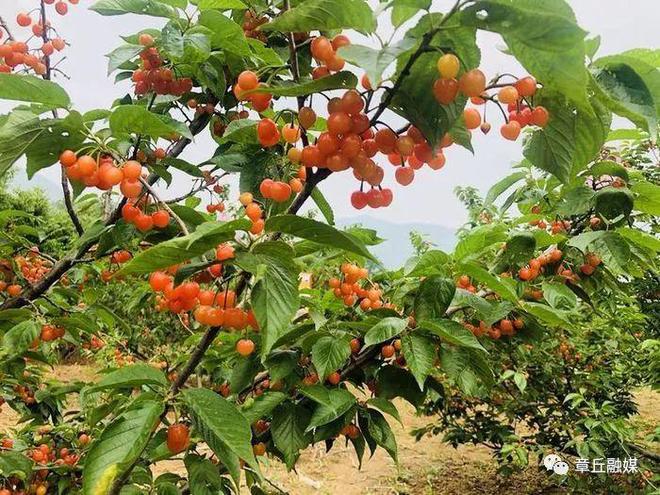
[(227, 35), (576, 200), (451, 332), (385, 406), (15, 464), (402, 10), (222, 427), (559, 296), (420, 354), (632, 87), (647, 197), (119, 446), (122, 54), (135, 119), (384, 330), (397, 382), (220, 4), (141, 7), (339, 80), (183, 165), (543, 36), (432, 262), (640, 238), (520, 381), (243, 131), (467, 368), (434, 297), (501, 186), (33, 90), (323, 205), (549, 316), (318, 232), (203, 476), (374, 62), (572, 138), (289, 431), (20, 337), (613, 203), (174, 251), (477, 239), (275, 296), (489, 280), (324, 15), (262, 406), (17, 135), (329, 354), (332, 403), (57, 136), (625, 134), (131, 376), (381, 433)]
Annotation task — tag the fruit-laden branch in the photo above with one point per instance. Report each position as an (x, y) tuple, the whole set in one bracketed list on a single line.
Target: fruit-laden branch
[(68, 261), (66, 191), (405, 72), (165, 206)]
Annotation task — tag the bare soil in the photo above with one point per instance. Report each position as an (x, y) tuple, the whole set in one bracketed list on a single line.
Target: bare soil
[(427, 467)]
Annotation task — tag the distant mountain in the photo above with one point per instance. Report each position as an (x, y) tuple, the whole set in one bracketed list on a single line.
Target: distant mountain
[(40, 180), (397, 247)]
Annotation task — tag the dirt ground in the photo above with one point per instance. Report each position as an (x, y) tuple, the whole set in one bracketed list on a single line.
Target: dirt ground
[(427, 467)]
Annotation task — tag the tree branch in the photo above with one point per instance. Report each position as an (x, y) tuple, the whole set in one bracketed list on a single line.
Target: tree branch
[(176, 217), (4, 26)]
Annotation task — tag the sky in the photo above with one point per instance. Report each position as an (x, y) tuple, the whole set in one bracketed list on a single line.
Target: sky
[(430, 198)]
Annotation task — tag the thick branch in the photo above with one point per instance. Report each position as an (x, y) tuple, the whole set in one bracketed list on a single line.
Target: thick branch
[(62, 266)]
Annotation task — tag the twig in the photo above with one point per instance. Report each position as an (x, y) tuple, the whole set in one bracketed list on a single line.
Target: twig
[(169, 210), (4, 26)]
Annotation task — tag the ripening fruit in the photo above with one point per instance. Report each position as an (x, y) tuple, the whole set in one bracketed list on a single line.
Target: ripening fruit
[(321, 49), (23, 19), (510, 131), (178, 437), (448, 66), (59, 44), (306, 117), (386, 140), (224, 252), (387, 351), (143, 222), (87, 165), (508, 95), (68, 158), (132, 170), (339, 41), (245, 347), (339, 123), (358, 200), (145, 39), (246, 198), (280, 192), (334, 378), (129, 212), (14, 290), (159, 281), (472, 118), (291, 133), (404, 175), (296, 185), (540, 116), (253, 211), (437, 162), (472, 83), (61, 8), (445, 90), (268, 133), (366, 83), (526, 86), (248, 80), (161, 219), (259, 449)]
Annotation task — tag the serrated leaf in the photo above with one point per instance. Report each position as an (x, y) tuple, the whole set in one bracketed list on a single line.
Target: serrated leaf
[(339, 80), (223, 427), (324, 15), (374, 62), (434, 297), (174, 251), (131, 376), (33, 90), (288, 429), (419, 352), (140, 7), (119, 446), (384, 330), (321, 233), (135, 119), (451, 332), (329, 354)]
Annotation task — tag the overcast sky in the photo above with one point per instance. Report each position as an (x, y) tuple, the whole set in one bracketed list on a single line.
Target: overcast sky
[(430, 198)]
